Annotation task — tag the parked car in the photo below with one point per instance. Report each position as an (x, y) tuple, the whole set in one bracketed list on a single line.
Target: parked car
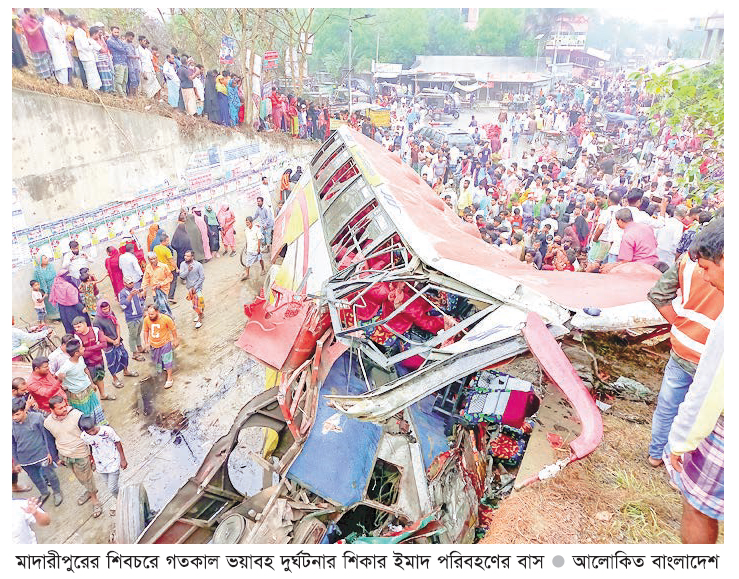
[(437, 136)]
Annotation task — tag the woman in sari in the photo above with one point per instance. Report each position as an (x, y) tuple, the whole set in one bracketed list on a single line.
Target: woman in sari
[(66, 296), (115, 352), (292, 114), (154, 237), (211, 220), (114, 270), (196, 240), (202, 226), (226, 220), (44, 274)]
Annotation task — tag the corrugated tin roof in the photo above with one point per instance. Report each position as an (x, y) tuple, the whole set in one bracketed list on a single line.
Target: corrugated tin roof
[(469, 65)]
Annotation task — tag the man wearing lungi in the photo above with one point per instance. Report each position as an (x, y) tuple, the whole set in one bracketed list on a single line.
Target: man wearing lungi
[(194, 275), (160, 334)]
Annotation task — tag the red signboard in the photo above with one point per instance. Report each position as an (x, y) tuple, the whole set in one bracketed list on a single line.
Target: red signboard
[(269, 64), (271, 55)]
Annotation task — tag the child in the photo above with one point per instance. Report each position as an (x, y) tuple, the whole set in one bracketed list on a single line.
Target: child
[(106, 452), (38, 296), (88, 291)]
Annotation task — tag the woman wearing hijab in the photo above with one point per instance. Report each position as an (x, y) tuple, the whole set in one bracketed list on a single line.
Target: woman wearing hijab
[(66, 296), (154, 237), (115, 352), (234, 102), (114, 270), (582, 230), (195, 237), (210, 102), (211, 220), (200, 222), (44, 274), (180, 240), (226, 219)]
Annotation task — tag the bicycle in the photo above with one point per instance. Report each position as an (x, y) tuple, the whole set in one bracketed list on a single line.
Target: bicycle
[(42, 347)]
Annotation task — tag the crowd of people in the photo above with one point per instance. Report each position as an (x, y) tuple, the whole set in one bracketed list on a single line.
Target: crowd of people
[(58, 417), (575, 208), (67, 49), (554, 186)]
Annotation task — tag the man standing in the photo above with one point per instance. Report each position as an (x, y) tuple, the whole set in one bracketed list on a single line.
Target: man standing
[(86, 54), (120, 60), (692, 317), (37, 44), (158, 277), (149, 82), (134, 65), (696, 439), (133, 309), (466, 196), (169, 70), (129, 265), (160, 334), (185, 76), (57, 41), (74, 261), (602, 239), (264, 221), (93, 354), (31, 452), (73, 452), (194, 275), (253, 250)]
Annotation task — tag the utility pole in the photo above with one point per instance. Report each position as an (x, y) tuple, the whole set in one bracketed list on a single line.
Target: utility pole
[(556, 43)]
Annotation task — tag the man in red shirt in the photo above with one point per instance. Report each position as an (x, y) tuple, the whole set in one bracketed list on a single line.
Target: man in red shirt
[(92, 354), (40, 55), (43, 385)]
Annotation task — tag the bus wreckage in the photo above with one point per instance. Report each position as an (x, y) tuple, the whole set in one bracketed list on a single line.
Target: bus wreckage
[(386, 419)]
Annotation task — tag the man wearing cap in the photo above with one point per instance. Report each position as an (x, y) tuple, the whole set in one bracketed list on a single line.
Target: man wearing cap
[(133, 308)]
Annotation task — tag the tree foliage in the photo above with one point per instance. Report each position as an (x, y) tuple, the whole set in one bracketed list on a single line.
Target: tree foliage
[(693, 102)]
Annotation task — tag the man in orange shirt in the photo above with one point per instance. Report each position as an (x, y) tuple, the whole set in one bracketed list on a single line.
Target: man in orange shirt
[(160, 334), (157, 276)]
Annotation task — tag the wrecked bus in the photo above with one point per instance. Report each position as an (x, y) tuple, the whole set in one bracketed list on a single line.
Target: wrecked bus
[(387, 417)]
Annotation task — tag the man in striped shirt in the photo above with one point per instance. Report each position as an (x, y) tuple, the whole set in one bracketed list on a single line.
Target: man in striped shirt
[(692, 315)]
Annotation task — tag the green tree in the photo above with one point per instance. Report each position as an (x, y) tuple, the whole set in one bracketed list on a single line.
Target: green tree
[(692, 101)]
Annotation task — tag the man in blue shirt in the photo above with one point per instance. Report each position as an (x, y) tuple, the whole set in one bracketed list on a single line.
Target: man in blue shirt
[(263, 218), (30, 451), (194, 275), (133, 308), (120, 60)]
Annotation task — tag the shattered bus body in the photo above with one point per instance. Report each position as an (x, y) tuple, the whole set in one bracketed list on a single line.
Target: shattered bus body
[(381, 330)]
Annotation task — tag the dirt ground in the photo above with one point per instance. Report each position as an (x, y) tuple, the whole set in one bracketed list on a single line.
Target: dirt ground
[(166, 433), (613, 495)]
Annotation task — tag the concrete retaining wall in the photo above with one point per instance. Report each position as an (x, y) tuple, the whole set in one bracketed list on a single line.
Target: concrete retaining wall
[(72, 156)]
